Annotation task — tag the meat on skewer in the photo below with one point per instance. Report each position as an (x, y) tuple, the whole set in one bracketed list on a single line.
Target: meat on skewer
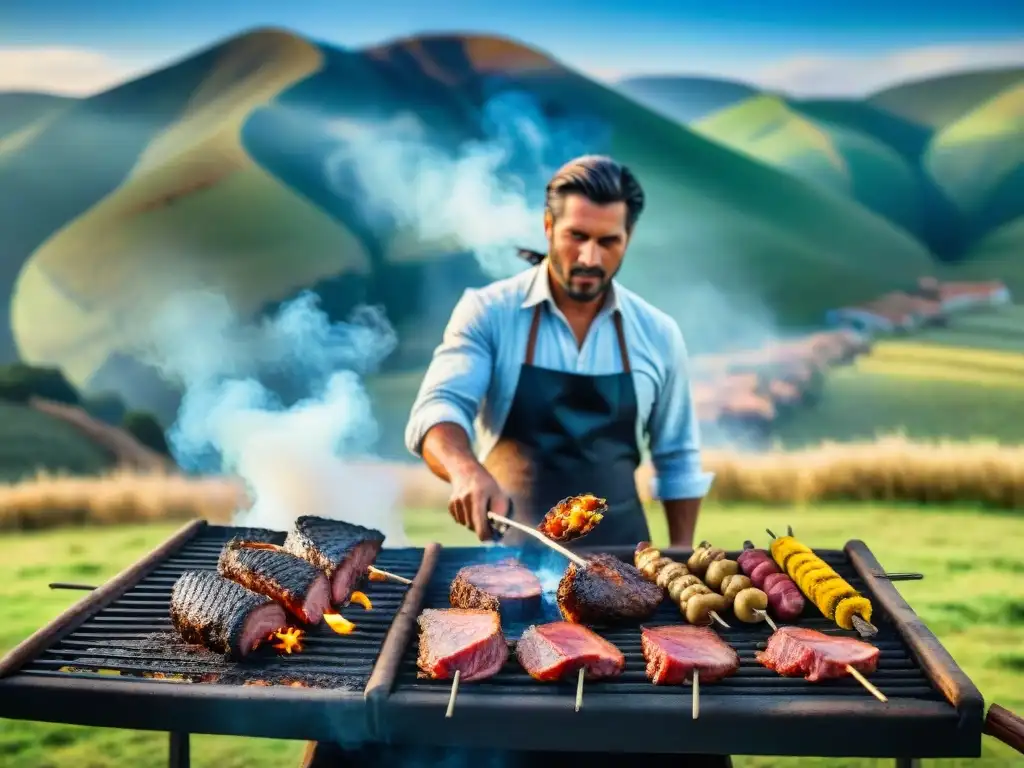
[(678, 653), (340, 549), (286, 579), (606, 591), (573, 517), (696, 601), (508, 588), (222, 616), (784, 599)]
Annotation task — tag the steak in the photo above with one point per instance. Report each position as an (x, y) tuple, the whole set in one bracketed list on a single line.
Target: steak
[(607, 591), (460, 639), (673, 652), (262, 535), (341, 550), (508, 588), (222, 616), (291, 581), (798, 651), (559, 649)]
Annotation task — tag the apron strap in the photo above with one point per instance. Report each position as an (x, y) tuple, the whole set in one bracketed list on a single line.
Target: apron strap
[(531, 341)]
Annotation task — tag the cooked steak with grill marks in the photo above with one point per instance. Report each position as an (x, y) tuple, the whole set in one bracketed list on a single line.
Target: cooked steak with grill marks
[(341, 550), (223, 616), (672, 653), (560, 649), (507, 587), (299, 586), (607, 591), (453, 639), (262, 535), (796, 651)]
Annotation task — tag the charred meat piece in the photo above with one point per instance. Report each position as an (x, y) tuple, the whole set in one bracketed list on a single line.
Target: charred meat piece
[(296, 584), (507, 587), (223, 616), (607, 591), (573, 517), (341, 550), (458, 639), (261, 535), (673, 652), (798, 651), (560, 649)]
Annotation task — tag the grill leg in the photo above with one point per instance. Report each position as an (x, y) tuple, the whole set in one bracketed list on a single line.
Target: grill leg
[(908, 762), (178, 756)]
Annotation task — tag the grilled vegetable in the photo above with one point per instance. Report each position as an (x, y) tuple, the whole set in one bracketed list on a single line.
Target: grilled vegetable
[(702, 557), (682, 586), (700, 607), (718, 570), (749, 605), (733, 585), (833, 596), (573, 517)]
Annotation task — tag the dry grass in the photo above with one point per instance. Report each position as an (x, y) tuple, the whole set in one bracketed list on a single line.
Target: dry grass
[(891, 469)]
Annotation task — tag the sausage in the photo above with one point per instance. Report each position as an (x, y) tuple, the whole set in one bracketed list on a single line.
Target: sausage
[(748, 602), (733, 585), (749, 559), (785, 602), (718, 570), (775, 578), (699, 608), (760, 573)]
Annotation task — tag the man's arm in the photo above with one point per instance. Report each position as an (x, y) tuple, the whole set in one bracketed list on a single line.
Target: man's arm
[(679, 482)]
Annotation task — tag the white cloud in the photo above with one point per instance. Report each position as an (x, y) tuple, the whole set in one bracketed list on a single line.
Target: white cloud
[(62, 70), (824, 75)]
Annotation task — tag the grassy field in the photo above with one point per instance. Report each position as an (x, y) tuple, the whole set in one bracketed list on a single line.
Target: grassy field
[(974, 600)]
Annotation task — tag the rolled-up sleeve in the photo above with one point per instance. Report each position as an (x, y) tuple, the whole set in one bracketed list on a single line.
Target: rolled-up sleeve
[(675, 433), (458, 376)]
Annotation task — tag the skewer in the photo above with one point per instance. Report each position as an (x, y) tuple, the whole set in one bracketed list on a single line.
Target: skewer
[(579, 689), (766, 618), (68, 585), (696, 693), (499, 520), (898, 576), (455, 692), (769, 530), (715, 617), (864, 628), (376, 574), (866, 683)]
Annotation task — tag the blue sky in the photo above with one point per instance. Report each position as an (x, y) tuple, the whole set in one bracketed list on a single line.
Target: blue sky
[(604, 37)]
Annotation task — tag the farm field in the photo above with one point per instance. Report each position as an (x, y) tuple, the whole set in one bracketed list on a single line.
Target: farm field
[(974, 603)]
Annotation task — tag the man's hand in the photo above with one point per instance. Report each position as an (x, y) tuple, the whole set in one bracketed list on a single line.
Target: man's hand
[(475, 492)]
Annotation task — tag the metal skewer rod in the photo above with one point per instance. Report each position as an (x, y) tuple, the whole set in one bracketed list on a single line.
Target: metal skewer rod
[(499, 520)]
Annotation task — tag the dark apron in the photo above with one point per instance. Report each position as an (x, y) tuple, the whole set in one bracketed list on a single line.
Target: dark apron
[(568, 434)]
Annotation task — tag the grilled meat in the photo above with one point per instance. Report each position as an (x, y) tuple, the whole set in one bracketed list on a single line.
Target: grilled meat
[(262, 535), (223, 616), (559, 649), (457, 639), (784, 599), (291, 581), (673, 652), (508, 588), (573, 517), (607, 591), (798, 651), (341, 550)]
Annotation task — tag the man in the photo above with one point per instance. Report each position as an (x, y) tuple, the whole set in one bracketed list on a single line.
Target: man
[(564, 369)]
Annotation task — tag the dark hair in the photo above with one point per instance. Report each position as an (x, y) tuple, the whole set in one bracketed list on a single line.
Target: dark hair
[(601, 180)]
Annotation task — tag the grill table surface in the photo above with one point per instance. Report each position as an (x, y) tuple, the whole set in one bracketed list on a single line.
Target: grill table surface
[(128, 608), (754, 712)]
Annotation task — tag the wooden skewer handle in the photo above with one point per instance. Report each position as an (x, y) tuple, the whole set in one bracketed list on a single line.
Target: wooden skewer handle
[(529, 531), (1004, 725)]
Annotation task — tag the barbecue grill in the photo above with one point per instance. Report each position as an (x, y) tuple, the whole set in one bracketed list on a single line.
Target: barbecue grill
[(63, 674)]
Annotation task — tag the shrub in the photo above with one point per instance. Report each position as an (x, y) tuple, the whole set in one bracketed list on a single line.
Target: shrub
[(147, 430), (20, 382)]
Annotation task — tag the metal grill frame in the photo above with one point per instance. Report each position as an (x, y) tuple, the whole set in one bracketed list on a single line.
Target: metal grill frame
[(768, 724), (152, 704)]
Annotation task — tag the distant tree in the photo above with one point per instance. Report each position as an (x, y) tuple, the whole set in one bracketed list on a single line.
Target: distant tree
[(20, 382), (108, 407), (147, 430)]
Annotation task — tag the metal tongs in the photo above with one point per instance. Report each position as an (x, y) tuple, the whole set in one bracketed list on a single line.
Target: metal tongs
[(502, 524)]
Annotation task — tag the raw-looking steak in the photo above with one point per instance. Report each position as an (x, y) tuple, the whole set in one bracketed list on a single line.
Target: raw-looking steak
[(508, 588), (469, 641), (293, 582), (341, 550), (672, 653), (798, 651), (223, 616), (607, 591), (560, 649)]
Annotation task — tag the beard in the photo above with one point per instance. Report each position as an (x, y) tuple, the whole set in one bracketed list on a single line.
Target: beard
[(582, 284)]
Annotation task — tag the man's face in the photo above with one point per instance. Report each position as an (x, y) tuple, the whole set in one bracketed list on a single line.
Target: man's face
[(586, 245)]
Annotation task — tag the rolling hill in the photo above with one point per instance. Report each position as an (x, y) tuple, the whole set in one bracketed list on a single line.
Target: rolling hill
[(686, 99), (220, 179)]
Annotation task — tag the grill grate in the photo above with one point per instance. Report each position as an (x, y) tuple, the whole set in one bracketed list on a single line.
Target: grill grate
[(134, 636)]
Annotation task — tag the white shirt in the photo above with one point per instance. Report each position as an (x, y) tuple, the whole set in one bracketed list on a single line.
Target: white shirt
[(474, 372)]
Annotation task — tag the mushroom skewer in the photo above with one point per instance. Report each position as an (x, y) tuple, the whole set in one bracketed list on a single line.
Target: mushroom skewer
[(698, 603)]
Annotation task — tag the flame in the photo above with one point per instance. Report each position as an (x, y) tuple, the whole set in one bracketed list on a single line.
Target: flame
[(339, 623), (259, 683), (291, 639), (360, 598), (376, 574)]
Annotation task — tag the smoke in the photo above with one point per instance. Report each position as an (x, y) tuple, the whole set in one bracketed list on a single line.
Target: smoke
[(485, 196), (279, 402)]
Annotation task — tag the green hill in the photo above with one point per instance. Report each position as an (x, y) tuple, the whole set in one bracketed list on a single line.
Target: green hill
[(937, 101), (907, 138), (34, 441), (685, 99), (19, 110), (998, 255)]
